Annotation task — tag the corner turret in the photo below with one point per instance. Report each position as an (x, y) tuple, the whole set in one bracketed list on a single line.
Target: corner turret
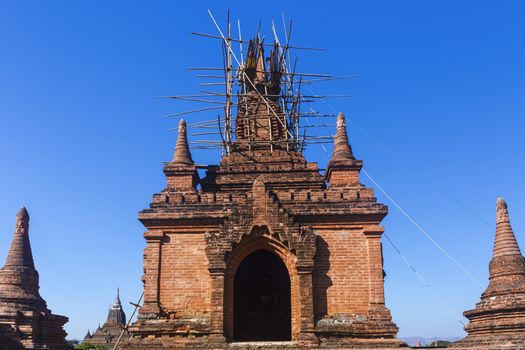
[(181, 172), (343, 169)]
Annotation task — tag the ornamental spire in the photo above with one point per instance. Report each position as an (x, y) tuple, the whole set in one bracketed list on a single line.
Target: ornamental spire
[(505, 242), (19, 278), (342, 149), (182, 153), (507, 267), (20, 254), (116, 303), (116, 314)]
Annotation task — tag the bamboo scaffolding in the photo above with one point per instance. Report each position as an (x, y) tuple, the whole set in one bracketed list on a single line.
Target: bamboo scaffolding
[(246, 42), (191, 111), (240, 89), (319, 75)]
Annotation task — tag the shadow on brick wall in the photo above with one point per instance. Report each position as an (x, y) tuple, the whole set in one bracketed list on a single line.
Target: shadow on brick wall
[(321, 279)]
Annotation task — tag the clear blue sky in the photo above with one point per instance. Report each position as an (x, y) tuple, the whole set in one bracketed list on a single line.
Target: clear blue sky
[(441, 86)]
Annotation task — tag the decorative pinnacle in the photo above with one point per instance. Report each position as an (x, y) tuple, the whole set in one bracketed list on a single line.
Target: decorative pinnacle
[(342, 149), (505, 242), (182, 151), (23, 214), (20, 254), (116, 303)]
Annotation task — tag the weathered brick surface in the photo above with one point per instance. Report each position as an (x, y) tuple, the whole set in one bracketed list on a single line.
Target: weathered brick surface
[(184, 275), (498, 321), (10, 338), (24, 316), (341, 267), (324, 229)]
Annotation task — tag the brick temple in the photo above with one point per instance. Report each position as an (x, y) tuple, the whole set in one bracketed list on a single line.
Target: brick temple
[(498, 321), (263, 247), (25, 320), (115, 325)]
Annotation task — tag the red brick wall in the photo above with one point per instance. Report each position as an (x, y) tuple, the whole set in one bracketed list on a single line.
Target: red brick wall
[(341, 274), (338, 177), (185, 282)]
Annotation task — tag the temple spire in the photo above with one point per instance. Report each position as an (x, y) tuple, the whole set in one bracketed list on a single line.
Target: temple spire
[(342, 149), (507, 267), (182, 153), (116, 314), (505, 242), (116, 303), (19, 281), (497, 320), (20, 253)]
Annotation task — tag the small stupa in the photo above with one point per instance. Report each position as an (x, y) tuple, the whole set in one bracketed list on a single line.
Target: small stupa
[(24, 315), (499, 318)]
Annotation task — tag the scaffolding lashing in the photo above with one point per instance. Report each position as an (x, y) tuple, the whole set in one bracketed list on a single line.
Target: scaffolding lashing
[(249, 75)]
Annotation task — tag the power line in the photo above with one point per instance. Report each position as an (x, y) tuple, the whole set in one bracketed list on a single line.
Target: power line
[(425, 283), (402, 256), (406, 164), (409, 218), (404, 212)]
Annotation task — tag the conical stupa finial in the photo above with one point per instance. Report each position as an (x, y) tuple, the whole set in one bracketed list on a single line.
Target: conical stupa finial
[(505, 242), (20, 254), (117, 304), (182, 151), (342, 149), (22, 213)]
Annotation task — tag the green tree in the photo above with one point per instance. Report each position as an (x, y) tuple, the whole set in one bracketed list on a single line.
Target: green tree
[(440, 344), (87, 346)]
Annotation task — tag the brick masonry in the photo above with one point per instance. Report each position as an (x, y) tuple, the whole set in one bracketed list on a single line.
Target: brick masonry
[(325, 229), (25, 319), (498, 321), (114, 327)]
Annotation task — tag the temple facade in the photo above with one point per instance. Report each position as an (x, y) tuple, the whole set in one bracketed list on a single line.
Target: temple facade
[(498, 321), (109, 333), (25, 320), (263, 247)]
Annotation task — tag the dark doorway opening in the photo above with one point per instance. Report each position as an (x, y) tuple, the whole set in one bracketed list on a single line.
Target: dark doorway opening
[(262, 305)]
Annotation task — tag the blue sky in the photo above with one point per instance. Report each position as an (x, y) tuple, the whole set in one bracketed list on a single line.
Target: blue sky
[(439, 107)]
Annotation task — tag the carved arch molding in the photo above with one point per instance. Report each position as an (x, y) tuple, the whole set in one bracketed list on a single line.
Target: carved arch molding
[(257, 221), (261, 224)]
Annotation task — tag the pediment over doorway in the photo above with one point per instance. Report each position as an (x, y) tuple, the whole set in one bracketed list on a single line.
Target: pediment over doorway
[(264, 218)]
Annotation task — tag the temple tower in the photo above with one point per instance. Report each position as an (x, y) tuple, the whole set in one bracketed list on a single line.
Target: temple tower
[(266, 249), (108, 334), (21, 306), (499, 318)]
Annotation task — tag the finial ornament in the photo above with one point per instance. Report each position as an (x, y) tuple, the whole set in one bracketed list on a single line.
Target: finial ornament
[(505, 243), (22, 221), (182, 151), (117, 304), (342, 149), (20, 253)]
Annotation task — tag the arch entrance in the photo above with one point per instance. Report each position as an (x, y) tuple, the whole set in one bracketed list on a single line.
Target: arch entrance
[(262, 299)]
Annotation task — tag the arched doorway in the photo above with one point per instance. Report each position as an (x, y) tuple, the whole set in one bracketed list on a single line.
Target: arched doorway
[(262, 302)]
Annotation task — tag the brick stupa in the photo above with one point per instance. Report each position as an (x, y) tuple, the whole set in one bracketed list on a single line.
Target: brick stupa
[(498, 321), (266, 248), (109, 333), (24, 315)]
